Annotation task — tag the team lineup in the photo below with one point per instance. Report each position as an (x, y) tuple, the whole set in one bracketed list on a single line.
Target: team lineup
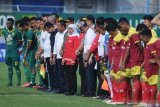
[(123, 60)]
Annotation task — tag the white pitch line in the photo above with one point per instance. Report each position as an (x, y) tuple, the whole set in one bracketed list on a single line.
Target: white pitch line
[(24, 95)]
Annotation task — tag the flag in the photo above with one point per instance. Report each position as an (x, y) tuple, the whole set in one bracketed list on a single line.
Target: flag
[(105, 85), (42, 71)]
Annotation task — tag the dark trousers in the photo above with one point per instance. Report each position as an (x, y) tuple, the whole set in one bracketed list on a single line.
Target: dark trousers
[(50, 70), (100, 92), (61, 80), (91, 77), (71, 78), (82, 75)]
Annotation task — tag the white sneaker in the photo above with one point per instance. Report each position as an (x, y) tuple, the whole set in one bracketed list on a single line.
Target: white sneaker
[(120, 103), (113, 103), (96, 97), (141, 104), (107, 101), (129, 103), (110, 102)]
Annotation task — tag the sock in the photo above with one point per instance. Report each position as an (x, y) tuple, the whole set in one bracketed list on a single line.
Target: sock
[(129, 89), (114, 88), (33, 77), (10, 74), (153, 93), (18, 73), (27, 74), (116, 91), (119, 95), (137, 86), (140, 93), (145, 92), (123, 88)]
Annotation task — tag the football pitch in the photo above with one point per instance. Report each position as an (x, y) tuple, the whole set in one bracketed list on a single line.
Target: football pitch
[(28, 97)]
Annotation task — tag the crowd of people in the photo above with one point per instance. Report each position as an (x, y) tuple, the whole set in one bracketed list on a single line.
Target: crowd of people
[(101, 49)]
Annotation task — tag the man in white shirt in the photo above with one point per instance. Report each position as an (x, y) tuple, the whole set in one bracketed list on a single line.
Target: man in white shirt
[(90, 71), (59, 38), (45, 38)]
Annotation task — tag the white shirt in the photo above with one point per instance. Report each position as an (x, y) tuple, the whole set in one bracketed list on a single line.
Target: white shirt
[(88, 40), (59, 38), (45, 43), (101, 46)]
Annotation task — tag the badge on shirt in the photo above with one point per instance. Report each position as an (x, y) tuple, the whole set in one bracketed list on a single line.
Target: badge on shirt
[(9, 39)]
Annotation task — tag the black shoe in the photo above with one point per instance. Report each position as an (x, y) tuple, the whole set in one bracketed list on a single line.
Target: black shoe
[(9, 84), (107, 97), (90, 95), (43, 87), (49, 90), (67, 94), (56, 91), (79, 94), (100, 97)]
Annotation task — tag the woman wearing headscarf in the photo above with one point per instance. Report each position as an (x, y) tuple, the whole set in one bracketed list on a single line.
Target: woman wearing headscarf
[(69, 60)]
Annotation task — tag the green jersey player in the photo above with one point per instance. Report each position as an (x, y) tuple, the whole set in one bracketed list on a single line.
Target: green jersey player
[(30, 51), (13, 41)]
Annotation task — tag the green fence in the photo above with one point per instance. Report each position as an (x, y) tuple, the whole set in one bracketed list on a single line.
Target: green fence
[(134, 19)]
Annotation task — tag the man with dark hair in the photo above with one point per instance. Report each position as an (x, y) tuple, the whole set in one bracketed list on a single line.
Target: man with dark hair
[(90, 20), (82, 25), (69, 20), (89, 70), (115, 73), (125, 27), (29, 56), (33, 22), (26, 19), (151, 68), (38, 25), (147, 21), (57, 58), (100, 44), (141, 27), (54, 78), (24, 40), (46, 48), (45, 17), (127, 31), (13, 41)]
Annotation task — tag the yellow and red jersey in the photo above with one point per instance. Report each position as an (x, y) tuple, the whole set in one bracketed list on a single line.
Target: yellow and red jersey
[(136, 56), (150, 68), (116, 50), (154, 34)]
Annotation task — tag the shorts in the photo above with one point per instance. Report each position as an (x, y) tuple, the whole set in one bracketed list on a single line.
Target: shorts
[(136, 70), (127, 73), (152, 80), (12, 59), (116, 75)]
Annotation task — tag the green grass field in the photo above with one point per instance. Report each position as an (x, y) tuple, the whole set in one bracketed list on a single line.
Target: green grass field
[(28, 97)]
